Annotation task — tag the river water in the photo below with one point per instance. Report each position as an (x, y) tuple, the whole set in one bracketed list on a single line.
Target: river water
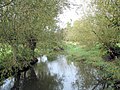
[(55, 75)]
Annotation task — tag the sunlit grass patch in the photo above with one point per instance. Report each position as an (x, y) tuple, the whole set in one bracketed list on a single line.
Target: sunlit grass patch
[(93, 56)]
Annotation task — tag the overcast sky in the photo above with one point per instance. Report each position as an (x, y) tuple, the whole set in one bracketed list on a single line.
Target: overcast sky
[(77, 10)]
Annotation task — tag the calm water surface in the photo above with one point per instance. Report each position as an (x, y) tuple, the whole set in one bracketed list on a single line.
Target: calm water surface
[(55, 75)]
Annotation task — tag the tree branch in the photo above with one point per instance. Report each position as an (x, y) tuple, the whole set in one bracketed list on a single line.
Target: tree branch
[(6, 4)]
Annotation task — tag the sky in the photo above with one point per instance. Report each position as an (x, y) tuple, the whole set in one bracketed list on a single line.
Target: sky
[(76, 11)]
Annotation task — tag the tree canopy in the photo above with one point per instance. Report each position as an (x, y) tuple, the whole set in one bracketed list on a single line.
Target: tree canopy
[(27, 26), (101, 26)]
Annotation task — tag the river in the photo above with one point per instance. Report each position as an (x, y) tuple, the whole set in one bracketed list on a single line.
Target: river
[(55, 75)]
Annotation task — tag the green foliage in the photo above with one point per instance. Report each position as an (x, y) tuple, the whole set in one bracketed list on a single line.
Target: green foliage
[(106, 21), (99, 26), (28, 27), (98, 32), (5, 55), (81, 32), (93, 57)]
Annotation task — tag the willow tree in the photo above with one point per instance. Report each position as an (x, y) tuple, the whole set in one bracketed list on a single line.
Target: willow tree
[(81, 32), (25, 25), (106, 24)]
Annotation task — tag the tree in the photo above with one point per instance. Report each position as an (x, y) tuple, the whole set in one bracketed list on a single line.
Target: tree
[(106, 24), (99, 26), (81, 32), (27, 25)]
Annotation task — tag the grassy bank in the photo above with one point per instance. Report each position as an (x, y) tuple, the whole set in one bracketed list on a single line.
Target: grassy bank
[(93, 56)]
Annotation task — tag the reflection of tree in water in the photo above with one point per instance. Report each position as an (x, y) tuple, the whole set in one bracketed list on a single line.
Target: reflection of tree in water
[(39, 81), (85, 77)]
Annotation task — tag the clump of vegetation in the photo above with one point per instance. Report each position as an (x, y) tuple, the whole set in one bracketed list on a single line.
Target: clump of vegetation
[(26, 28), (109, 71), (98, 36)]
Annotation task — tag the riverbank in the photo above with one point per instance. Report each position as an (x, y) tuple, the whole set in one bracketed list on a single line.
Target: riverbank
[(92, 56)]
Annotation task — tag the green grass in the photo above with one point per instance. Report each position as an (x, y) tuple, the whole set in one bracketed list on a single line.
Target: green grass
[(80, 53), (93, 56)]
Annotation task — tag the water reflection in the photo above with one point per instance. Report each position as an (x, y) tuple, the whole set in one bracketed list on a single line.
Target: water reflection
[(55, 75), (64, 71), (8, 83)]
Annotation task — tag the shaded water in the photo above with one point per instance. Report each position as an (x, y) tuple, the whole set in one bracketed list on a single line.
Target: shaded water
[(55, 75)]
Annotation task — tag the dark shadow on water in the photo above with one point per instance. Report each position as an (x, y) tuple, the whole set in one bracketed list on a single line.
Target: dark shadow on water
[(39, 81)]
